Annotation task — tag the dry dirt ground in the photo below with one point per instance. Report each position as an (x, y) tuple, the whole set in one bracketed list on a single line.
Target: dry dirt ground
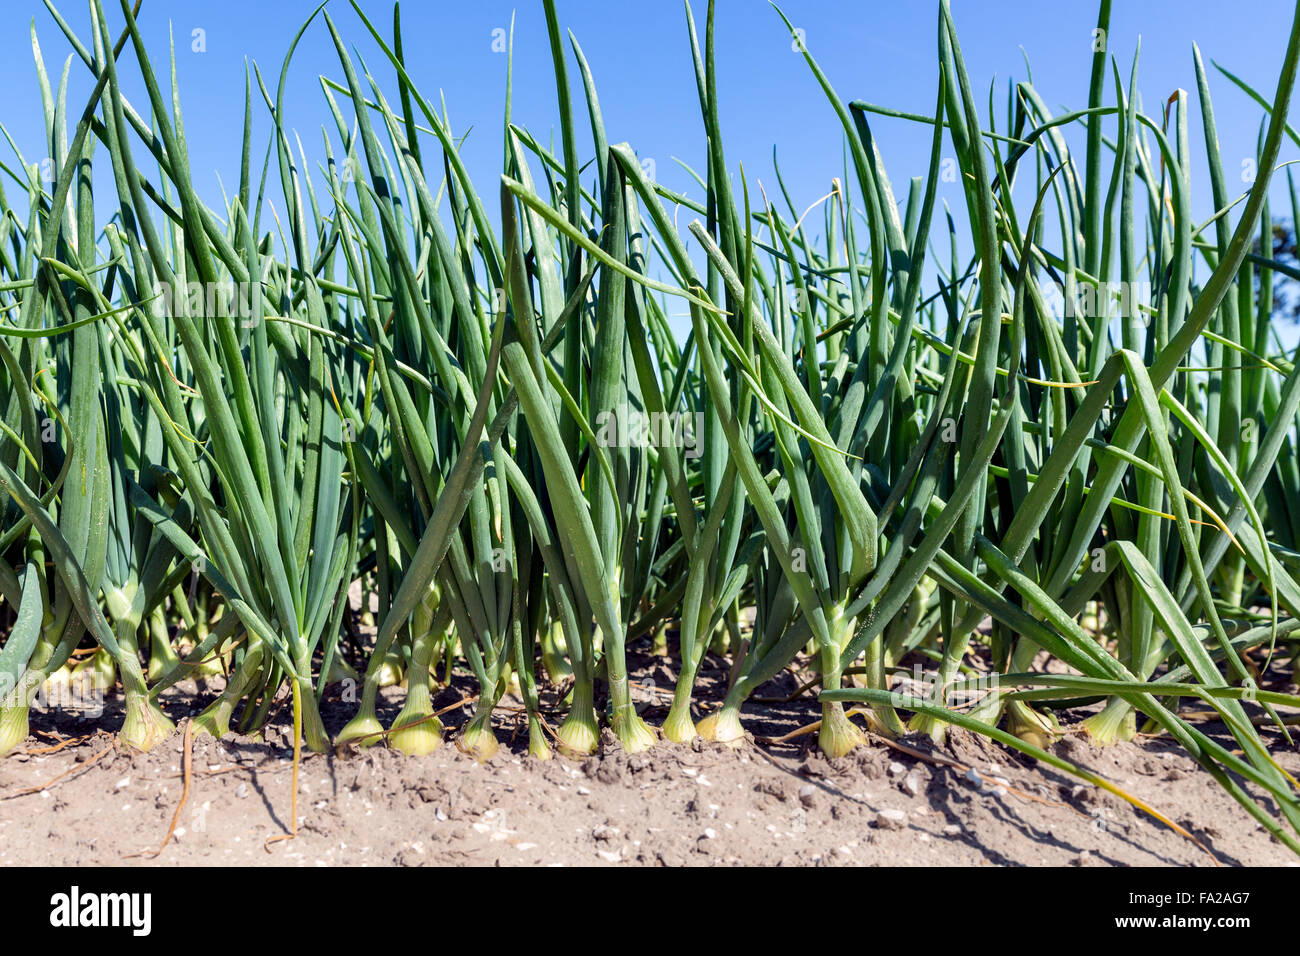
[(70, 797)]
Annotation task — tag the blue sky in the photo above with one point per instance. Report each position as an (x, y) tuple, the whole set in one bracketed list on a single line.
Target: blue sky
[(639, 54)]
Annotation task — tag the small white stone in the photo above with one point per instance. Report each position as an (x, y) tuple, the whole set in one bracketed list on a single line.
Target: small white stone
[(891, 819), (710, 833), (896, 768), (124, 782)]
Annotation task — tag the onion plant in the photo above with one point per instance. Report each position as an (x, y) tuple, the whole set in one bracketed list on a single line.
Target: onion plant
[(1056, 429)]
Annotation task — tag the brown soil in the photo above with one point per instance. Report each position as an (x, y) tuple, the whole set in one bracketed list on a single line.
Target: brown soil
[(764, 803)]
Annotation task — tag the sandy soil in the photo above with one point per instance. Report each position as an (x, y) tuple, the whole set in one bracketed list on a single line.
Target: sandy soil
[(70, 797)]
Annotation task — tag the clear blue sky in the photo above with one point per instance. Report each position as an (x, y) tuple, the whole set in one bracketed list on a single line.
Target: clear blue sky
[(883, 53)]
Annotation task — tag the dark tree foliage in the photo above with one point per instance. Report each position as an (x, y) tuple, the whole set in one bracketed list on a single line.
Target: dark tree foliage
[(1286, 288)]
